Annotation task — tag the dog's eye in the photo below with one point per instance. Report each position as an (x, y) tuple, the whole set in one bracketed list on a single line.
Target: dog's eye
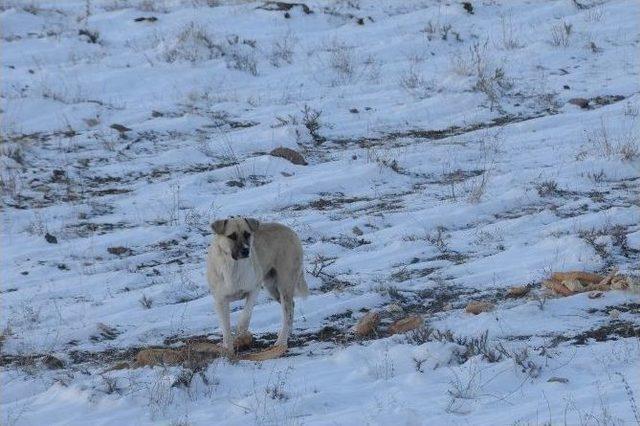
[(233, 236), (246, 235)]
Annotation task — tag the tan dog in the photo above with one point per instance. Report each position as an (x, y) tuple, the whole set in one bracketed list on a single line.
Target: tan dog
[(246, 255)]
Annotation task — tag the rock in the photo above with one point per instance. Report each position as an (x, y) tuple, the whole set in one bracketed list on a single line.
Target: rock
[(284, 6), (606, 281), (518, 291), (367, 324), (271, 353), (52, 363), (557, 287), (581, 102), (406, 324), (243, 341), (574, 286), (120, 128), (51, 239), (290, 155), (151, 357), (614, 314), (558, 380), (119, 250), (478, 306), (577, 275), (621, 282), (58, 175), (357, 231), (595, 294)]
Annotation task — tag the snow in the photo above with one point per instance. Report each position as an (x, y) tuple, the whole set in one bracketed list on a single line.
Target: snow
[(446, 138)]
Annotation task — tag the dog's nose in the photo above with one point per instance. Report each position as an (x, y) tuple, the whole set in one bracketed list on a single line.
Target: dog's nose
[(244, 252)]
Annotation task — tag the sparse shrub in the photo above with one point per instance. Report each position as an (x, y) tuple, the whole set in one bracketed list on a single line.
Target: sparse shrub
[(493, 83), (157, 6), (282, 50), (146, 302), (415, 84), (509, 38), (561, 34), (311, 120), (521, 359), (625, 146), (193, 43), (110, 385), (92, 37), (320, 263), (240, 55), (440, 239), (342, 62), (547, 188)]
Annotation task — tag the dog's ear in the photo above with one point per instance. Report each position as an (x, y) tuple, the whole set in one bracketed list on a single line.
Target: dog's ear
[(219, 226), (253, 224)]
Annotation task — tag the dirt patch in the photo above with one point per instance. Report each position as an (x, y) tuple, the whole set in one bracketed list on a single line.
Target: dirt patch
[(612, 331)]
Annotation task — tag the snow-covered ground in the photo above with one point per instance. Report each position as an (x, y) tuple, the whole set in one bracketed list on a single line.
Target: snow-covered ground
[(446, 164)]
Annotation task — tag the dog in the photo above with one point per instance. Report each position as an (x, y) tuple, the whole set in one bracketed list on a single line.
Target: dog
[(246, 255)]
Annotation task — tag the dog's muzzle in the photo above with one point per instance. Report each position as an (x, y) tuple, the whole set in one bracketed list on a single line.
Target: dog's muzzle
[(243, 253)]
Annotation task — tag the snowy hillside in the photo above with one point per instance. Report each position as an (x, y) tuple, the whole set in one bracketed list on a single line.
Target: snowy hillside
[(454, 149)]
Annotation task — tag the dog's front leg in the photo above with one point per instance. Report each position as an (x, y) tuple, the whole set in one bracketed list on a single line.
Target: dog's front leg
[(245, 315), (243, 337), (224, 316)]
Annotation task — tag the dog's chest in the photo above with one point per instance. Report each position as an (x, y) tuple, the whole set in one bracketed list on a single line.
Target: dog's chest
[(239, 277)]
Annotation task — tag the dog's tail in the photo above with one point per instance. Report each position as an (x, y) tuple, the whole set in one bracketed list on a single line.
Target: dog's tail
[(302, 289)]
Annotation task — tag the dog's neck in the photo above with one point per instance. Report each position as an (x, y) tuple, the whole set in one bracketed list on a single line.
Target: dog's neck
[(232, 266)]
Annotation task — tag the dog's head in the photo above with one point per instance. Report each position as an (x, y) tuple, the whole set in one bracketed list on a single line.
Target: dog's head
[(234, 234)]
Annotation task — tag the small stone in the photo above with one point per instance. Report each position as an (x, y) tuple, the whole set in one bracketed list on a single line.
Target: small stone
[(271, 353), (52, 363), (120, 128), (614, 314), (557, 287), (573, 285), (290, 155), (581, 102), (243, 341), (518, 291), (558, 380), (595, 294), (119, 250), (620, 282), (406, 324), (478, 306), (51, 239), (357, 231), (367, 324)]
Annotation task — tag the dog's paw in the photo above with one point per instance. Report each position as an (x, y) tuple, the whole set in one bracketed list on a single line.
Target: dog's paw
[(243, 341)]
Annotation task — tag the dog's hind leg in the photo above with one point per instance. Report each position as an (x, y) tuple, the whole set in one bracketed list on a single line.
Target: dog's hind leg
[(286, 302)]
